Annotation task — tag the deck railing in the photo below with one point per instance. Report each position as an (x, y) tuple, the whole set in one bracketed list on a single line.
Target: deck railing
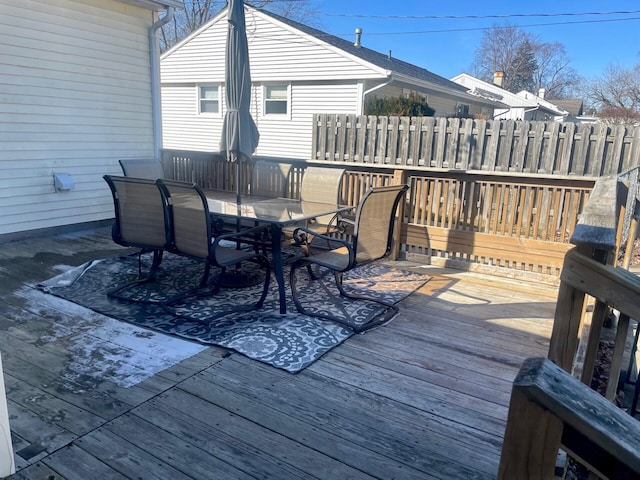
[(548, 410), (497, 222), (595, 272)]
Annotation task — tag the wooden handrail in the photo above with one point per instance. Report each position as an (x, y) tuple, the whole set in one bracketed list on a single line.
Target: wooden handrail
[(550, 409), (597, 227), (613, 287)]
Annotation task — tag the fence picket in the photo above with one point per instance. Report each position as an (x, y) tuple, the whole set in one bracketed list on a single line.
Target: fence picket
[(468, 144)]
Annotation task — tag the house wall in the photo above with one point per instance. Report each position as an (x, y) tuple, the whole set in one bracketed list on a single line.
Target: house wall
[(280, 136), (277, 53), (320, 80), (76, 97), (444, 105)]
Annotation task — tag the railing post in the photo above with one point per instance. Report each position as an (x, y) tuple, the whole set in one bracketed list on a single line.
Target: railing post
[(400, 177), (531, 440)]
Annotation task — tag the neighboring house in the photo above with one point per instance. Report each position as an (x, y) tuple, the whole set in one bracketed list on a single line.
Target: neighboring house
[(575, 110), (76, 95), (522, 105), (296, 71)]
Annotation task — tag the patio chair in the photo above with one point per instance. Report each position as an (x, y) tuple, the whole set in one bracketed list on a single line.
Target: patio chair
[(190, 235), (142, 168), (319, 184), (270, 178), (372, 240), (139, 222)]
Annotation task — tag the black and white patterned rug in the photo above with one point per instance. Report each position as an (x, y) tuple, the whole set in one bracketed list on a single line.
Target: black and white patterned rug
[(290, 342)]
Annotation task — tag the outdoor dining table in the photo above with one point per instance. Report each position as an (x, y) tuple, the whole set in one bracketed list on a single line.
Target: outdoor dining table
[(277, 212)]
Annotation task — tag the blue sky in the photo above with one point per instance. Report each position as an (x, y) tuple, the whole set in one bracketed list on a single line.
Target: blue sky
[(590, 46)]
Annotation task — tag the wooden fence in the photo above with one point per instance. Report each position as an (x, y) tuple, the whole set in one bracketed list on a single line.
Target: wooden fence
[(514, 224), (468, 144)]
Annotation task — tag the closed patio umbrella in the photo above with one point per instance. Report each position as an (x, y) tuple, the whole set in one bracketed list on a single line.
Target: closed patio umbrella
[(239, 132)]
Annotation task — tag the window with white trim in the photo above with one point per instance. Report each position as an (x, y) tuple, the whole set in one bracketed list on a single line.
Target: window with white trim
[(276, 99), (209, 99)]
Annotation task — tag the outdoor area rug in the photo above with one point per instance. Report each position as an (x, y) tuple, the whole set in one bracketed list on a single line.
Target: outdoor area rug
[(290, 342)]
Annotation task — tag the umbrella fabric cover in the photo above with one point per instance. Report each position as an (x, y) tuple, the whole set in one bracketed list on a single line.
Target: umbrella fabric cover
[(239, 132)]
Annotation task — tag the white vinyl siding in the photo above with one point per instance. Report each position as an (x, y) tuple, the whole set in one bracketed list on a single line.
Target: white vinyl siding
[(76, 97), (321, 79), (277, 54), (289, 138)]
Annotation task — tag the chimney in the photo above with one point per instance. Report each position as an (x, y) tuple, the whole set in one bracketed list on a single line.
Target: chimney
[(497, 78), (358, 37), (541, 92)]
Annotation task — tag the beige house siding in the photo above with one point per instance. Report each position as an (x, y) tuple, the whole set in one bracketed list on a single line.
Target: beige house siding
[(76, 97)]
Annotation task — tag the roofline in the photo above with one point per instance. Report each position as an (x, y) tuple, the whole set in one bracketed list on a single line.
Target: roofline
[(453, 93), (156, 5)]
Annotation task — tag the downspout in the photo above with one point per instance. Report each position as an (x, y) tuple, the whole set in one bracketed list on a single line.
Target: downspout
[(156, 106), (373, 89)]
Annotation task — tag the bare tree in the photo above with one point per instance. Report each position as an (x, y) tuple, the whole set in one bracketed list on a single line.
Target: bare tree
[(501, 50), (554, 72), (615, 94), (527, 63), (198, 12)]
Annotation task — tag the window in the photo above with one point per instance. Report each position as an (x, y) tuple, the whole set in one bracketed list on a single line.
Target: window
[(276, 100), (463, 110), (209, 99)]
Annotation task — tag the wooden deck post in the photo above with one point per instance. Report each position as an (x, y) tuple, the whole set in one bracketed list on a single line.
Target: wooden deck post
[(399, 178), (531, 440)]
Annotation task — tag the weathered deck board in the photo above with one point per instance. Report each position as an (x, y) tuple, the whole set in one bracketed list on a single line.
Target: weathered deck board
[(422, 397)]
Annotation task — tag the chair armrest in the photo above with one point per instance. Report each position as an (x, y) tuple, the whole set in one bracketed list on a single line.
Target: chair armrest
[(302, 236)]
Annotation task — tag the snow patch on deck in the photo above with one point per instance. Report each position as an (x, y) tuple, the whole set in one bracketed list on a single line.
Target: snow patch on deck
[(102, 348)]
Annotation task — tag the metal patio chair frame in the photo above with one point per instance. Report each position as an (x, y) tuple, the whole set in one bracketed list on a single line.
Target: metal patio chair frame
[(372, 240), (190, 235), (140, 222)]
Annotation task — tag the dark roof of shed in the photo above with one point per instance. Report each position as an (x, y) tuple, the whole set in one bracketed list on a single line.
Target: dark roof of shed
[(376, 58)]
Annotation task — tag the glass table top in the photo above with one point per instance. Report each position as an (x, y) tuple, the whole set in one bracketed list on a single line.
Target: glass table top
[(274, 210)]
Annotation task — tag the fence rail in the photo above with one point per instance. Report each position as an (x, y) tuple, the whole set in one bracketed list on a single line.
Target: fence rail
[(515, 223), (468, 144)]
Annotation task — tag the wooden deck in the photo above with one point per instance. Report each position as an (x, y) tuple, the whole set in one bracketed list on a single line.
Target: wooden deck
[(423, 397)]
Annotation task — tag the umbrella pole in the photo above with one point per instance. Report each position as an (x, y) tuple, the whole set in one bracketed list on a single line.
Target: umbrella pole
[(238, 199)]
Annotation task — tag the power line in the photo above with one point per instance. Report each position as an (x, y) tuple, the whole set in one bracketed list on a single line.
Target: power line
[(463, 17), (491, 28)]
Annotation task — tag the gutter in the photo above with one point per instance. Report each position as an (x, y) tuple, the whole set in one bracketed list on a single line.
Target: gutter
[(156, 105)]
